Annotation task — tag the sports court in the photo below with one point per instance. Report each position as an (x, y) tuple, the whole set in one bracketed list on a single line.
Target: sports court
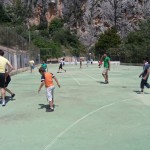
[(88, 114)]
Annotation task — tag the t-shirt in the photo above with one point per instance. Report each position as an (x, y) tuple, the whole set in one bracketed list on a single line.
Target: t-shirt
[(44, 66), (106, 62), (3, 62), (48, 78), (146, 67), (31, 62), (61, 62)]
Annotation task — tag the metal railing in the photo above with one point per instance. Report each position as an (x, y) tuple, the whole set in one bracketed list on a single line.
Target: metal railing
[(17, 49)]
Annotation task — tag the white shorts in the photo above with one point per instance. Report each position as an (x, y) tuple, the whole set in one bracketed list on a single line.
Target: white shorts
[(50, 93), (105, 71)]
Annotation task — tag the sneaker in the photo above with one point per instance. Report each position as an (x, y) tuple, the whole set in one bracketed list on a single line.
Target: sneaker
[(3, 103), (50, 110), (106, 82), (13, 95)]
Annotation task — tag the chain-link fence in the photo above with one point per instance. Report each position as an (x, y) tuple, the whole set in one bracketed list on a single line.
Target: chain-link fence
[(18, 50)]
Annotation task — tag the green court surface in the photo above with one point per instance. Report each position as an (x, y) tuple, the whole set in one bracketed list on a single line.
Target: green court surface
[(88, 114)]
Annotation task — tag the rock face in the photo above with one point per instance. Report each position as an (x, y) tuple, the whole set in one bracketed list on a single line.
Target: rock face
[(92, 17), (89, 18)]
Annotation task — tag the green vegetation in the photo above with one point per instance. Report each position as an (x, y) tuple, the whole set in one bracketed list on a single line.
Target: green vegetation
[(3, 16), (52, 40), (56, 41), (55, 25), (108, 40), (137, 44), (132, 48), (17, 13)]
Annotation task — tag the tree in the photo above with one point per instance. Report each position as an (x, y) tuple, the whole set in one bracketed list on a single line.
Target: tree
[(3, 16), (108, 39), (137, 43), (17, 12), (69, 40), (55, 25)]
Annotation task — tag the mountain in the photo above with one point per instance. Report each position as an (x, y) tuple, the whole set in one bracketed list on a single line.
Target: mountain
[(89, 18)]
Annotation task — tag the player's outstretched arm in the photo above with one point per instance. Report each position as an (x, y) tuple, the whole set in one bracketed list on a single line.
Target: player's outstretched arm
[(10, 67), (109, 65), (57, 82), (41, 85)]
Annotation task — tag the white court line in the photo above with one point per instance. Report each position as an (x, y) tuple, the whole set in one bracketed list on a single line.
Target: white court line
[(75, 79), (79, 120), (92, 77)]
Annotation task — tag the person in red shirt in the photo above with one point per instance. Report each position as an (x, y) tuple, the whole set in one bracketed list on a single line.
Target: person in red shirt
[(47, 80), (100, 63)]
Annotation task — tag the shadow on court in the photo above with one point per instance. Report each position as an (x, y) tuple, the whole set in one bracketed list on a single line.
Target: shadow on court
[(46, 106), (139, 92), (7, 99), (60, 72), (101, 82), (43, 106)]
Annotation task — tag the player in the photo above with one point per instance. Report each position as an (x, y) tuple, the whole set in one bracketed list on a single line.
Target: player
[(47, 80), (3, 63), (44, 65), (61, 65), (145, 74), (106, 67), (100, 63), (31, 63)]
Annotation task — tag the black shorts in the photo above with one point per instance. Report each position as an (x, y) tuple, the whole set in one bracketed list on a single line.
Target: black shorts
[(60, 66), (8, 79), (2, 80), (144, 83)]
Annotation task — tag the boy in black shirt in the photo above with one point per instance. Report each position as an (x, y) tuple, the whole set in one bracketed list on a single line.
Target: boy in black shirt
[(145, 75)]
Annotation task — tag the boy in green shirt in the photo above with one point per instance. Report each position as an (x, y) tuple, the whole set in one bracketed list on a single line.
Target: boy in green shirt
[(44, 65), (106, 67)]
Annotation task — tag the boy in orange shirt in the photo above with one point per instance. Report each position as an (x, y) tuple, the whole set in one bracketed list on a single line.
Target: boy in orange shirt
[(47, 80)]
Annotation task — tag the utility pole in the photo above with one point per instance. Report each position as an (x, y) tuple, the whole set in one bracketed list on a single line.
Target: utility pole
[(29, 34), (115, 12), (29, 39)]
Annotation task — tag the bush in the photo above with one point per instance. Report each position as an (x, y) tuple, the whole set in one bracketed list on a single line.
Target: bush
[(55, 25), (3, 16), (109, 39), (137, 44)]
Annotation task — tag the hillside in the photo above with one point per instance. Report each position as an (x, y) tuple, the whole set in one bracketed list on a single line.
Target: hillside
[(89, 18)]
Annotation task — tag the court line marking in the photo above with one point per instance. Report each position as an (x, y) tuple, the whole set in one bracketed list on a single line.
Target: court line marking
[(75, 79), (92, 77), (82, 118)]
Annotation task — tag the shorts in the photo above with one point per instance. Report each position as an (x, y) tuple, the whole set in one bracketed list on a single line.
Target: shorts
[(32, 67), (60, 66), (8, 79), (2, 80), (50, 93), (105, 71), (144, 83)]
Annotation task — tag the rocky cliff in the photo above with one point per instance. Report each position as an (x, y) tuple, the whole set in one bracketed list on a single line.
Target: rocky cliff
[(89, 18)]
